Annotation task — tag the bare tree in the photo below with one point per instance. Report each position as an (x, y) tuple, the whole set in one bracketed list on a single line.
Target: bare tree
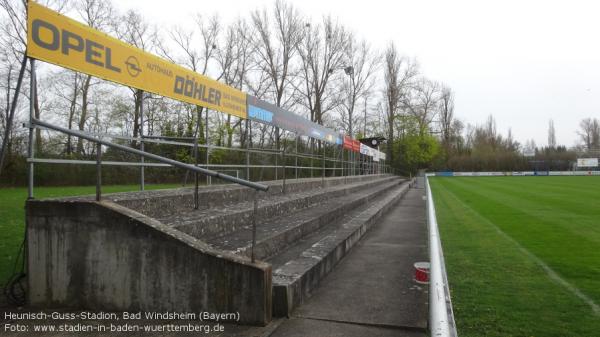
[(322, 54), (361, 67), (234, 57), (421, 102), (99, 15), (276, 43), (398, 75), (589, 132), (551, 135), (446, 114), (133, 29)]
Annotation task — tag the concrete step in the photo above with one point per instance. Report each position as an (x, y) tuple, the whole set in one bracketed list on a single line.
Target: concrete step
[(164, 203), (233, 217), (298, 271), (277, 234)]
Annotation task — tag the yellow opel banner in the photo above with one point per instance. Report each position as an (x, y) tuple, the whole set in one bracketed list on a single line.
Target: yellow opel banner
[(57, 39)]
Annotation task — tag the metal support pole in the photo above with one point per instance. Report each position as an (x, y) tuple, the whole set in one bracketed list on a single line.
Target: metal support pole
[(30, 150), (248, 136), (254, 215), (296, 155), (206, 136), (13, 107), (312, 143), (98, 171), (283, 160), (345, 165), (142, 172), (277, 147), (323, 168), (196, 176)]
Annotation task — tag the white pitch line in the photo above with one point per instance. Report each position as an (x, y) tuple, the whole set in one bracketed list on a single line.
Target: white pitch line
[(551, 273)]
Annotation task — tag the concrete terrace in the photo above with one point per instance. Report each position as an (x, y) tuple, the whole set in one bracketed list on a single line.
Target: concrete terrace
[(334, 258)]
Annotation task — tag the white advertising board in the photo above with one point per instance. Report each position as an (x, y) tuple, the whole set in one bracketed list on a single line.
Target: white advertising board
[(587, 162)]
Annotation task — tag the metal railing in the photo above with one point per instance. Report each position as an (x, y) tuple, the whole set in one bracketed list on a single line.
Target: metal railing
[(441, 315), (336, 165), (99, 142)]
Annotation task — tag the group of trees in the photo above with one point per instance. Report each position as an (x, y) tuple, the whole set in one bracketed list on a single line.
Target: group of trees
[(318, 69)]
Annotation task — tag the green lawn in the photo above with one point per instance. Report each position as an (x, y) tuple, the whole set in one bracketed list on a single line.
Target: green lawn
[(522, 254), (12, 215)]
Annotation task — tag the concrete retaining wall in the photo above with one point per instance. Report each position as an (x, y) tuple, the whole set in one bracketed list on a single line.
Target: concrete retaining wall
[(92, 255)]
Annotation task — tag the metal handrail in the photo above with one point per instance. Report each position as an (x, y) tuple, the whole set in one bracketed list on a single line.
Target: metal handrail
[(148, 155), (441, 315)]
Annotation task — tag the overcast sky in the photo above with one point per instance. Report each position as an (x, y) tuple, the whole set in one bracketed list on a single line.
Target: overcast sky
[(523, 62)]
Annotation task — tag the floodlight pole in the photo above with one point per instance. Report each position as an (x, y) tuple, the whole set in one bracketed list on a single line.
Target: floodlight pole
[(13, 107), (30, 151)]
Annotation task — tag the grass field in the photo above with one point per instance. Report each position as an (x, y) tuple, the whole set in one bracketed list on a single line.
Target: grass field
[(12, 215), (522, 254)]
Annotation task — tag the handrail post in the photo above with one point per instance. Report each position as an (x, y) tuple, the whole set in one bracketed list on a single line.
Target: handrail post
[(98, 171), (283, 159), (323, 168), (312, 143), (248, 135), (254, 215), (196, 176), (207, 141), (296, 155), (276, 165), (142, 171)]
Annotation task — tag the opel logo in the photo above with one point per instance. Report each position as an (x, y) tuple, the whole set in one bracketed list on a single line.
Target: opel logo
[(133, 66)]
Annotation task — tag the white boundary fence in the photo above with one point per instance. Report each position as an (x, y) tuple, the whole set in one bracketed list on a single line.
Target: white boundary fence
[(441, 315), (516, 173)]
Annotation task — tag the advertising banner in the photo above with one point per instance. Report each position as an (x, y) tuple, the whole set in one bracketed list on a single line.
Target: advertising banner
[(348, 143), (57, 39), (587, 162), (355, 145), (271, 114), (364, 149)]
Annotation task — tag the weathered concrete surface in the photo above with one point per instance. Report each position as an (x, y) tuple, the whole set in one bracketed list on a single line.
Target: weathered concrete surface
[(276, 234), (164, 203), (104, 256), (371, 292), (221, 220), (294, 281)]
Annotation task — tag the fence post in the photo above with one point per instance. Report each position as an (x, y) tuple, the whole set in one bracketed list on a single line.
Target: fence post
[(196, 177), (283, 159), (296, 155), (98, 171), (254, 214), (207, 141), (248, 135), (323, 168)]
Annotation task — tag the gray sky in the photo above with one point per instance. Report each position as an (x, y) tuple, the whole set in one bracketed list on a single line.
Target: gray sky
[(522, 61)]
